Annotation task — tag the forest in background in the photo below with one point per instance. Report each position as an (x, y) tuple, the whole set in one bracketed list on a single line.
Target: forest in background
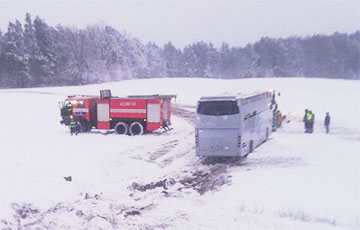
[(35, 54)]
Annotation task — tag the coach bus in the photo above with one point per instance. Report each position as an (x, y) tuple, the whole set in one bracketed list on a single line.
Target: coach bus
[(232, 125)]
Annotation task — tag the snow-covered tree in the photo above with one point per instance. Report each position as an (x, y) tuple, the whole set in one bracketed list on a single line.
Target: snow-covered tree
[(156, 65), (15, 63), (40, 55), (173, 59)]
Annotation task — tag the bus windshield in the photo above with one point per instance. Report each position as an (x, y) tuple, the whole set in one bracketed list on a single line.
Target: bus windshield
[(218, 108)]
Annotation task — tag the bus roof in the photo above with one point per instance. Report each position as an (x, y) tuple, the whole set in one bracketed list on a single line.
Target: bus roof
[(233, 97)]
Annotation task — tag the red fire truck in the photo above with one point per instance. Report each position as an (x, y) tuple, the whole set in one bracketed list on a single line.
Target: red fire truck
[(133, 115)]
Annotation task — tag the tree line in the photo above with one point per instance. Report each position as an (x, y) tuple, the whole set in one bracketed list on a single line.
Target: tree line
[(35, 54)]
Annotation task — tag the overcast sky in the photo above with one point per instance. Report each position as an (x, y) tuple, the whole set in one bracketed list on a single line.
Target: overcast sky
[(182, 22)]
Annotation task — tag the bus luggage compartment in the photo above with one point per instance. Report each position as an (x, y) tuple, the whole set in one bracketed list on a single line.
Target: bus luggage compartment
[(217, 142)]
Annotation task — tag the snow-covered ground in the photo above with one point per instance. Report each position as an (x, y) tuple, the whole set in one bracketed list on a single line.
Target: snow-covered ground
[(155, 181)]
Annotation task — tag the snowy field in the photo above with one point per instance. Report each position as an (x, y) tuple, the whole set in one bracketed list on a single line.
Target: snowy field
[(155, 181)]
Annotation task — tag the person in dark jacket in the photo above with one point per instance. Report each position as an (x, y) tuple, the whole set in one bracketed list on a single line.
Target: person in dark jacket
[(74, 127), (327, 122), (165, 125)]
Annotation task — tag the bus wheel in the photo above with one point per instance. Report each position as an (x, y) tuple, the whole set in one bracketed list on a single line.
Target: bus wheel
[(251, 149), (136, 128), (121, 128)]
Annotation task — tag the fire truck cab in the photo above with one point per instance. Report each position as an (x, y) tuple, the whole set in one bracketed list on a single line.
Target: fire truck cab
[(133, 115)]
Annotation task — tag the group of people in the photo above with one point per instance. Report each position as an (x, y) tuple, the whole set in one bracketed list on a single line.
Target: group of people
[(274, 107), (278, 118), (309, 119)]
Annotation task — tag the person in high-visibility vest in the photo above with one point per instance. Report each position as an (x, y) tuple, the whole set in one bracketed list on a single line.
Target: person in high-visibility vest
[(310, 119), (305, 121)]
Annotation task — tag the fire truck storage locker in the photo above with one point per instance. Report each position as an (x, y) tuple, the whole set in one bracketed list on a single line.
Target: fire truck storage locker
[(103, 114)]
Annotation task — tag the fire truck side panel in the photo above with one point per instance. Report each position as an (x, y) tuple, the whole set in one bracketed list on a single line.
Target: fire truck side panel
[(103, 114), (91, 106), (153, 126), (127, 108), (103, 125), (153, 111), (154, 114)]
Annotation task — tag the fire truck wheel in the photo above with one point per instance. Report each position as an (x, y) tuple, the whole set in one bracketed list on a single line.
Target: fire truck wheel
[(121, 128), (136, 128), (85, 127)]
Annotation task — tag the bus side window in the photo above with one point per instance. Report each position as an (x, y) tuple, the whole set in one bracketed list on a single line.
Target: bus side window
[(250, 115), (249, 123)]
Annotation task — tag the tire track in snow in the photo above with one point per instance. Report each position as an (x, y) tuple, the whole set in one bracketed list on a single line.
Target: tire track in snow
[(210, 173), (203, 175), (179, 110)]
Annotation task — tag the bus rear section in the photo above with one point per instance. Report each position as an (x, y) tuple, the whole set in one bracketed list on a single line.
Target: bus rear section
[(217, 127)]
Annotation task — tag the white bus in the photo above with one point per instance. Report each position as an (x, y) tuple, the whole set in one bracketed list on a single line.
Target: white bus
[(232, 125)]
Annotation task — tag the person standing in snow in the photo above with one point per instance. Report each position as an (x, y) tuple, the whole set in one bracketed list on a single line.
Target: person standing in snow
[(327, 122), (74, 127), (273, 107), (306, 121), (165, 125), (279, 119), (310, 117)]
